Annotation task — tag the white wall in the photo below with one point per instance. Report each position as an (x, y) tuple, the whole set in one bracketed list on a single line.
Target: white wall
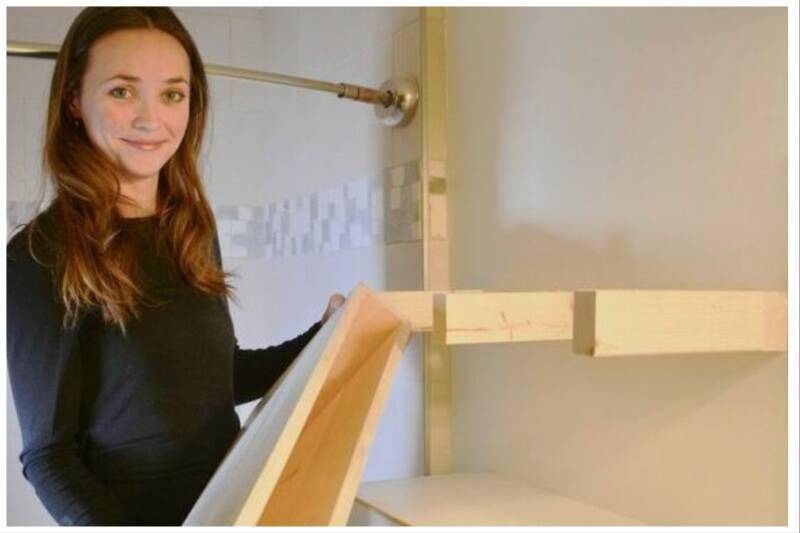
[(622, 148), (268, 143)]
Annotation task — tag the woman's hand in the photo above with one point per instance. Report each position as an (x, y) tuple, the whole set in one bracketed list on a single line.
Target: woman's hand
[(333, 304)]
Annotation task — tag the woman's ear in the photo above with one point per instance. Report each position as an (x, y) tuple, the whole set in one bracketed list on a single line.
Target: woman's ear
[(74, 105)]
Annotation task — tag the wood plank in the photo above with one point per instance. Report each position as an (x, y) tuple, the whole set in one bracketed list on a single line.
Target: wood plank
[(480, 499), (632, 321), (508, 316), (437, 207), (637, 322), (320, 480), (435, 240), (414, 306), (250, 469), (300, 455)]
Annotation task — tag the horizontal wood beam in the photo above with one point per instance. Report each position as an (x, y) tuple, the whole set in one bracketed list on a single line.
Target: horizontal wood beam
[(603, 322), (632, 322), (414, 306), (477, 317), (469, 317)]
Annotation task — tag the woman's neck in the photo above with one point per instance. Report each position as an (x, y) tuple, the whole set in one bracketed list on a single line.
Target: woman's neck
[(138, 197)]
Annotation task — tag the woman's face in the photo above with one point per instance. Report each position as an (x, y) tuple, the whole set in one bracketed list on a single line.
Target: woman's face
[(134, 99)]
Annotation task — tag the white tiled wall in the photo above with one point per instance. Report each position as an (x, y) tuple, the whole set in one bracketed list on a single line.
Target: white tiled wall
[(267, 144)]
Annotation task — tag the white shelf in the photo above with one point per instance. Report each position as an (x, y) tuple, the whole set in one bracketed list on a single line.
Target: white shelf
[(473, 499)]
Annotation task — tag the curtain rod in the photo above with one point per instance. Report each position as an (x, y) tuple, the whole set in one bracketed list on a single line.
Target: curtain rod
[(394, 102)]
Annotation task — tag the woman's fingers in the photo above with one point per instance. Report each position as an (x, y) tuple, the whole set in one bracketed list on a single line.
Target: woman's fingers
[(334, 303)]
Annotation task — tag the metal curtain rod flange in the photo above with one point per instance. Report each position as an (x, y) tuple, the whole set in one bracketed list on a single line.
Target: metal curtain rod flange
[(394, 103)]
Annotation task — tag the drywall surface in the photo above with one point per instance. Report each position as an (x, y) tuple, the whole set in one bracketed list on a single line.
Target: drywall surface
[(622, 148)]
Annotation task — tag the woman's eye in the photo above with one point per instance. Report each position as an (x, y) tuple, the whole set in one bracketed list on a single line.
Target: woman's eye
[(176, 96), (116, 91)]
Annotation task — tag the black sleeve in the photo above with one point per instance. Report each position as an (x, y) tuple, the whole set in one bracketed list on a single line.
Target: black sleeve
[(44, 364), (256, 370)]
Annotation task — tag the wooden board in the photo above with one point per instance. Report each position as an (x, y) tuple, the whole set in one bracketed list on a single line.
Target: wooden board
[(414, 306), (300, 455), (478, 499), (478, 317), (602, 322), (435, 239), (620, 322)]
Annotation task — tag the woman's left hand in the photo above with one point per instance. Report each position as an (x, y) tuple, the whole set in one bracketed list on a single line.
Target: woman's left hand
[(333, 304)]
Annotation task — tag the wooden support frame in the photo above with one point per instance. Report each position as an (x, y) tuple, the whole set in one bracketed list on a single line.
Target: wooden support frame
[(599, 323), (435, 239), (603, 322), (301, 453)]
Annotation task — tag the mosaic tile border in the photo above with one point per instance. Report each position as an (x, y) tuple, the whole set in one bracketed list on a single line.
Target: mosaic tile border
[(365, 212)]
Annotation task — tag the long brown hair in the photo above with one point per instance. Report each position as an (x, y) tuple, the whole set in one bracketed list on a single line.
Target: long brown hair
[(95, 266)]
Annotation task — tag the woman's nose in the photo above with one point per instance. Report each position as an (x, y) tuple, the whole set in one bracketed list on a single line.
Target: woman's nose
[(146, 114)]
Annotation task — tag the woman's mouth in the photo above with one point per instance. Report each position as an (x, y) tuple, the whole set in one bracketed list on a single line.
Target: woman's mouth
[(147, 147)]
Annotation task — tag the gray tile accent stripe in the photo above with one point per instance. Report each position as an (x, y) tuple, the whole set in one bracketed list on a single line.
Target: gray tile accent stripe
[(365, 212)]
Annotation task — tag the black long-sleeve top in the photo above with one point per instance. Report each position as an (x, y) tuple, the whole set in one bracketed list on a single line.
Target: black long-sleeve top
[(127, 430)]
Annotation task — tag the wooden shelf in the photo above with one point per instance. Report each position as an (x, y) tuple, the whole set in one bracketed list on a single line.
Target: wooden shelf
[(299, 457), (473, 499), (653, 322), (482, 317), (603, 322)]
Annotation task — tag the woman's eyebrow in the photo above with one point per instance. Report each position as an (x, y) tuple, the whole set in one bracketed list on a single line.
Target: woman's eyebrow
[(128, 77)]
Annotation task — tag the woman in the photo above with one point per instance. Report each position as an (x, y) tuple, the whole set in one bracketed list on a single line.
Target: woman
[(122, 357)]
